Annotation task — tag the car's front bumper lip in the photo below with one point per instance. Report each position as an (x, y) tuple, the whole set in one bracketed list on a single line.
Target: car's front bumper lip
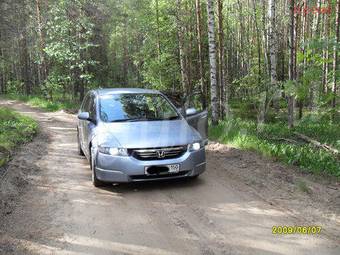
[(129, 169)]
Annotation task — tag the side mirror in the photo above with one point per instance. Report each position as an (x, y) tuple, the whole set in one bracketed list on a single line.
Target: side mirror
[(190, 111), (84, 116)]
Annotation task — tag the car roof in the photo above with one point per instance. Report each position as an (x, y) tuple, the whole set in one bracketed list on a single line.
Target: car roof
[(110, 91)]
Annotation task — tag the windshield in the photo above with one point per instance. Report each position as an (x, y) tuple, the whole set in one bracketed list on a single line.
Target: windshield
[(136, 107)]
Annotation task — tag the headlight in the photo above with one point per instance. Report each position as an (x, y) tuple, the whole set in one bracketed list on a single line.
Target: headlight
[(113, 151), (194, 146)]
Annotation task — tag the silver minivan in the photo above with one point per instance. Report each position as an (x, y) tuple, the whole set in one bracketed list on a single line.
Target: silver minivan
[(131, 135)]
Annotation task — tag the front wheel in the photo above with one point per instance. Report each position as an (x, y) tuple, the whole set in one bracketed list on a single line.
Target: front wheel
[(195, 177), (95, 181), (80, 151)]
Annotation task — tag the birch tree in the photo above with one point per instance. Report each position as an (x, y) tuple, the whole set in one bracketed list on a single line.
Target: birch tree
[(212, 59)]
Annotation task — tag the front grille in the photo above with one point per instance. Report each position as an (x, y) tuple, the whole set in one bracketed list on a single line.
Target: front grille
[(158, 153)]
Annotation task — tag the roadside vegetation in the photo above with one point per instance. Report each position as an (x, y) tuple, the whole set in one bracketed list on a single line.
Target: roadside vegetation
[(47, 105), (276, 140), (15, 129)]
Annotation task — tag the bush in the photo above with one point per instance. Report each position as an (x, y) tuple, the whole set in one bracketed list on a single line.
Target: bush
[(15, 129)]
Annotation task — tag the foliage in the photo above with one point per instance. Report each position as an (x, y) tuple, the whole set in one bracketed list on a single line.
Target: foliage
[(69, 32), (15, 129), (244, 135), (48, 105)]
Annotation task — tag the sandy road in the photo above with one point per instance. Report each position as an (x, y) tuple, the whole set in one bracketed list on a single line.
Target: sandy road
[(51, 207)]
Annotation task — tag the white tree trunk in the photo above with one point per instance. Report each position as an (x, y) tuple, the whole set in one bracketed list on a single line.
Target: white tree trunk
[(212, 58)]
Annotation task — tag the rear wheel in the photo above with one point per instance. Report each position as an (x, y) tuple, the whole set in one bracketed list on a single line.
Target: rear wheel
[(96, 182)]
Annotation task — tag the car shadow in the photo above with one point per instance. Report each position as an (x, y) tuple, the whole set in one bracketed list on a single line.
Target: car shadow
[(175, 184)]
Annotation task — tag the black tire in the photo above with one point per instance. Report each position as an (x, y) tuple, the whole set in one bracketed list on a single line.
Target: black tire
[(80, 151), (195, 177), (95, 181)]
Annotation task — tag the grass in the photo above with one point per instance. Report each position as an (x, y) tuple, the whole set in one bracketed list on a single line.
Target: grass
[(47, 105), (15, 129), (267, 140)]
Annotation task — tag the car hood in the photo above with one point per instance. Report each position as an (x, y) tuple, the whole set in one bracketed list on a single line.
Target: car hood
[(146, 134)]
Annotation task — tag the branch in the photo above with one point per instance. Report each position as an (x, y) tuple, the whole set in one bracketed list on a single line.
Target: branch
[(317, 144)]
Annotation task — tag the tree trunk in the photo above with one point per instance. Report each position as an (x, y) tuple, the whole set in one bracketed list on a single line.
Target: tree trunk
[(265, 39), (2, 71), (184, 74), (212, 58), (292, 62), (221, 68), (158, 30), (241, 38), (336, 56), (42, 64), (125, 55), (203, 87), (325, 53), (24, 61), (273, 47)]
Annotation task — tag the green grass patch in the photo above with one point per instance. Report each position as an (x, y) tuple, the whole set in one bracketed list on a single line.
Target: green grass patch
[(47, 105), (269, 140), (15, 129)]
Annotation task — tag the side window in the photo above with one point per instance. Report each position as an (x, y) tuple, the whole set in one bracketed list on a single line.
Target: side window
[(84, 106), (92, 106)]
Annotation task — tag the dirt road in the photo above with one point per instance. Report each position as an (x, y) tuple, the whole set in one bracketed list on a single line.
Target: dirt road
[(49, 205)]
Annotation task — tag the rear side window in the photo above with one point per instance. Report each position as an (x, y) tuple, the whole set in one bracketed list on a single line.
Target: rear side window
[(84, 106), (92, 106)]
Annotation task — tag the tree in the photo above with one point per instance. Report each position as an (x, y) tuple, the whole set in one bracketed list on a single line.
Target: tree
[(212, 59), (42, 64), (272, 38), (336, 54), (292, 65), (182, 57), (221, 68), (203, 87)]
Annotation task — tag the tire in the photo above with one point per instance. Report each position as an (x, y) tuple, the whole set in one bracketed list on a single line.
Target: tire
[(80, 151), (95, 181), (195, 177)]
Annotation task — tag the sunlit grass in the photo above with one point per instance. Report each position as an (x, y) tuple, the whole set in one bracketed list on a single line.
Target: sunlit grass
[(47, 105), (268, 140), (15, 129)]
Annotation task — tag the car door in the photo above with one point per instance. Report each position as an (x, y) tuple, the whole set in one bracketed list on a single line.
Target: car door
[(89, 125), (82, 123), (199, 121)]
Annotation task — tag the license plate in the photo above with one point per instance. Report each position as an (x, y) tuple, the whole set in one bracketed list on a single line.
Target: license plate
[(173, 168)]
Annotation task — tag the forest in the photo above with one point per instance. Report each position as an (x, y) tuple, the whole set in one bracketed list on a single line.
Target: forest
[(267, 71)]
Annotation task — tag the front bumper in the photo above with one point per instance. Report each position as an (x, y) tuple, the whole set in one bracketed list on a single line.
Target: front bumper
[(128, 169)]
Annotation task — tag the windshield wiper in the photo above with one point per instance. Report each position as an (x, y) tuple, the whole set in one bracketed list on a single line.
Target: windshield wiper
[(145, 119), (129, 120)]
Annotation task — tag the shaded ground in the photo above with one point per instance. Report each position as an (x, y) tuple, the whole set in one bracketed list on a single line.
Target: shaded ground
[(49, 206)]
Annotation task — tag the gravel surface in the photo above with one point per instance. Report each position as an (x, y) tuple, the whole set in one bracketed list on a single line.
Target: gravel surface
[(49, 206)]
